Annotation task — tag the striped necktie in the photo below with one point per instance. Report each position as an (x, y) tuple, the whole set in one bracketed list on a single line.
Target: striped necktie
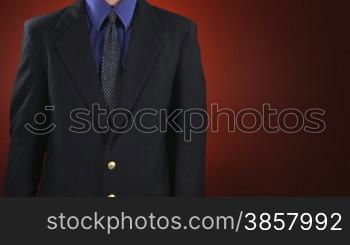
[(111, 70)]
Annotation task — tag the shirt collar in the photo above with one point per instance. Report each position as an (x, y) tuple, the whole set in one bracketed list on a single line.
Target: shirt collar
[(98, 11)]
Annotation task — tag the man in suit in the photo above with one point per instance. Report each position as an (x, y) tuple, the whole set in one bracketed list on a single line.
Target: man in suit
[(119, 55)]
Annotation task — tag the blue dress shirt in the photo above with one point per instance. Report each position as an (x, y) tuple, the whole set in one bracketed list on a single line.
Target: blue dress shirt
[(98, 11)]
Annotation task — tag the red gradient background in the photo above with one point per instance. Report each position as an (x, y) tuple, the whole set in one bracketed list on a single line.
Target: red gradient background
[(289, 53)]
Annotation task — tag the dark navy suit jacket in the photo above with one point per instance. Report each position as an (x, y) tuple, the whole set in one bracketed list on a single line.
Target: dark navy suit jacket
[(162, 71)]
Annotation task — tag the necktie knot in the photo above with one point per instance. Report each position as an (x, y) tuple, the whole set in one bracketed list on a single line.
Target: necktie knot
[(112, 17)]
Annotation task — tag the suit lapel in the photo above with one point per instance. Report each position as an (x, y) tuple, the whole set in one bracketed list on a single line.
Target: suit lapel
[(143, 51), (75, 49)]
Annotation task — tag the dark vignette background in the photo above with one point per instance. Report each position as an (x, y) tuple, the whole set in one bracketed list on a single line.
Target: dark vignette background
[(289, 53)]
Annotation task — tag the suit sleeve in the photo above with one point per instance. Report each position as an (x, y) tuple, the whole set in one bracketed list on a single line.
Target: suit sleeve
[(186, 149), (27, 149)]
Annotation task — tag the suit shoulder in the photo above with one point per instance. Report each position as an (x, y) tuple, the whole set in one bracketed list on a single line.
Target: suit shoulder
[(44, 23), (173, 20)]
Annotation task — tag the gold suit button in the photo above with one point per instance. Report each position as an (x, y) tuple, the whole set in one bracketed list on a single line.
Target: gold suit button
[(111, 195), (112, 165)]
